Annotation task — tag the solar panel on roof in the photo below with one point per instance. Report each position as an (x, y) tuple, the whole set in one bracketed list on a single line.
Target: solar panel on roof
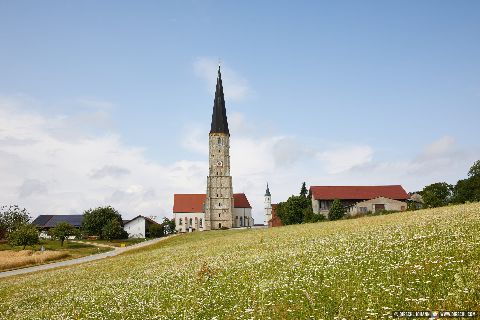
[(74, 219), (42, 220)]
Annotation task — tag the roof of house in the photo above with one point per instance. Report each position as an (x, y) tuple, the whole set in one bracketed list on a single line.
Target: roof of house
[(194, 202), (358, 192), (50, 220), (140, 216)]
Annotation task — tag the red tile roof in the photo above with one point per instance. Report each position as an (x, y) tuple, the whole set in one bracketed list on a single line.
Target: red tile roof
[(188, 202), (194, 202), (240, 201), (358, 192)]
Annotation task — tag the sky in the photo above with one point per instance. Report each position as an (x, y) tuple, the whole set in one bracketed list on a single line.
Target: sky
[(110, 102)]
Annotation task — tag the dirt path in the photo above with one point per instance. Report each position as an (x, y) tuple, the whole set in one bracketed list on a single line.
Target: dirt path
[(116, 251)]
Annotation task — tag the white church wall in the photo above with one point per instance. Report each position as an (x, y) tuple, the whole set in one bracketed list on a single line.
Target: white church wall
[(242, 217), (182, 221)]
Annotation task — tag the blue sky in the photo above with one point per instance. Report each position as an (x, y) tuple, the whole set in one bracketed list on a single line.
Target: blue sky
[(340, 92)]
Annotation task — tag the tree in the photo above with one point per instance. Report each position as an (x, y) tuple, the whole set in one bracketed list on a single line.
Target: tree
[(337, 210), (293, 210), (437, 194), (25, 235), (11, 218), (303, 190), (62, 231), (169, 225), (94, 220), (474, 170), (113, 230), (467, 190)]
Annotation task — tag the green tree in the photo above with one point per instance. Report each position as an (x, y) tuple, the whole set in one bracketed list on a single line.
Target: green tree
[(437, 194), (11, 218), (468, 189), (474, 170), (337, 210), (25, 235), (94, 220), (113, 230), (293, 210), (169, 225), (303, 190), (62, 231)]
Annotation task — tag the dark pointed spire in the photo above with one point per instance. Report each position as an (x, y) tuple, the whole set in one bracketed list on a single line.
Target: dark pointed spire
[(219, 115), (267, 193)]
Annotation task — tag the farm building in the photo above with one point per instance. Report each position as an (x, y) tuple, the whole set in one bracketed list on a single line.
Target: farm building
[(359, 199), (189, 212), (137, 227)]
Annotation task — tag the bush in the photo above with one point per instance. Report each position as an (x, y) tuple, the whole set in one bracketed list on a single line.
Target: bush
[(26, 235), (156, 230)]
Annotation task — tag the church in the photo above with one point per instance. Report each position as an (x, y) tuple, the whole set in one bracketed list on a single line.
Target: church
[(219, 208)]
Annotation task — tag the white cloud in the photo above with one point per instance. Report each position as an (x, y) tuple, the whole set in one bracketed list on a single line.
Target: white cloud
[(235, 87), (439, 147), (345, 158), (47, 170)]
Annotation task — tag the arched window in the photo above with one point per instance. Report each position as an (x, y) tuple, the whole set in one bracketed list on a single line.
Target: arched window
[(180, 221), (219, 141), (201, 222), (220, 226), (196, 221), (241, 221), (190, 222)]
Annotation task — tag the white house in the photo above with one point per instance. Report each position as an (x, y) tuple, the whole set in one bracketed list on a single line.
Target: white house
[(138, 227)]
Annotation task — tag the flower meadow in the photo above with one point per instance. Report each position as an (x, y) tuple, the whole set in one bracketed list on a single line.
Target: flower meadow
[(354, 269)]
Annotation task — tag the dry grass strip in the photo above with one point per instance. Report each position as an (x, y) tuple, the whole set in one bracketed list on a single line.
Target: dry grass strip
[(17, 259)]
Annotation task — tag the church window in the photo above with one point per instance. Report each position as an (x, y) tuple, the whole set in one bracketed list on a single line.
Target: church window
[(201, 222), (219, 215), (219, 204), (241, 221), (219, 141), (180, 221), (190, 222)]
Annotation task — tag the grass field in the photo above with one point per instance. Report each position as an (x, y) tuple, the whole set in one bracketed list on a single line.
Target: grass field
[(117, 243), (16, 257), (354, 269)]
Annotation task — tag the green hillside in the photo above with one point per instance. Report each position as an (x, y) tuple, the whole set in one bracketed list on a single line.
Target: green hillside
[(360, 268)]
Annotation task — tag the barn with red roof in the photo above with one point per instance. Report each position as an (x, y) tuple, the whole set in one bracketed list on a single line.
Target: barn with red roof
[(359, 199)]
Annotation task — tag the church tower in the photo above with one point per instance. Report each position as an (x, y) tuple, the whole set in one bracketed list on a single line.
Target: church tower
[(268, 206), (219, 200)]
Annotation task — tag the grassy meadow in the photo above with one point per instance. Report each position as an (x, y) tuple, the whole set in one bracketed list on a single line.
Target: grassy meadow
[(355, 269)]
